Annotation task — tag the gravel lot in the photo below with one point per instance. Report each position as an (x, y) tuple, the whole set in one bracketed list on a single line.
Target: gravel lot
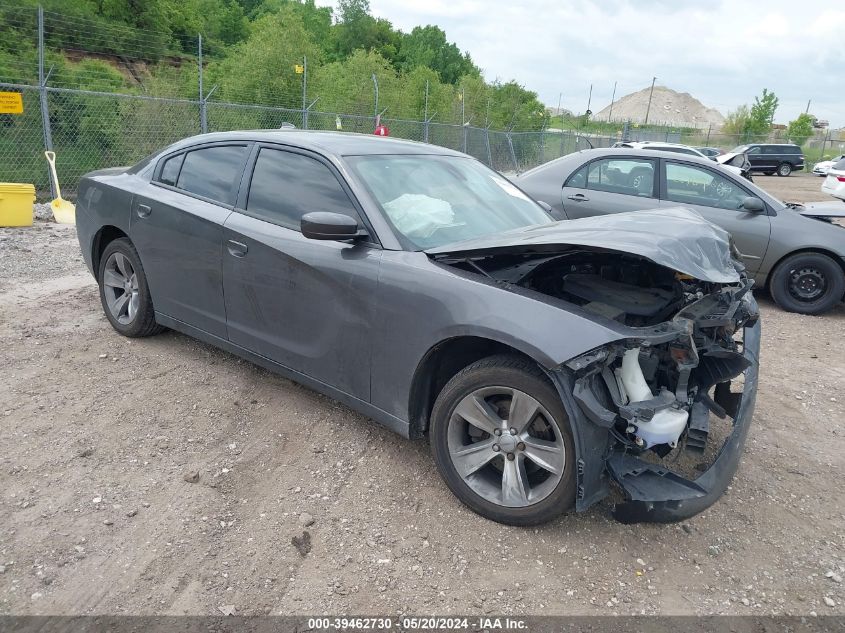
[(162, 476)]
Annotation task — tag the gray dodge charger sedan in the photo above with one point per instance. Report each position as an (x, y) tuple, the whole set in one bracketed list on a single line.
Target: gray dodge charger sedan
[(793, 250), (544, 361)]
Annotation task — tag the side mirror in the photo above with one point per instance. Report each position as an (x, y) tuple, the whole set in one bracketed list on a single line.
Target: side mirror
[(753, 205), (323, 225)]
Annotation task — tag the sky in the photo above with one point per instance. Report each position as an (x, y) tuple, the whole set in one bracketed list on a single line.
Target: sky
[(721, 52)]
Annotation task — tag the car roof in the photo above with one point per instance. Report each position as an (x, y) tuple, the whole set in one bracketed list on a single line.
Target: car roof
[(337, 143), (609, 152)]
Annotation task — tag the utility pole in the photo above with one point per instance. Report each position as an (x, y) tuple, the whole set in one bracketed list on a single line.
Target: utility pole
[(425, 114), (42, 94), (375, 83), (612, 99), (807, 111), (559, 113), (463, 119), (589, 100), (648, 108), (304, 92)]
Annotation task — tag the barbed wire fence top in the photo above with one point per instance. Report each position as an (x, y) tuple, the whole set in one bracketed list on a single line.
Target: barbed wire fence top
[(103, 95)]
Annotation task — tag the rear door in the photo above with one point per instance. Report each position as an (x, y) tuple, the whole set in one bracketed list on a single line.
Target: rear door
[(177, 227), (718, 198), (611, 185), (306, 304)]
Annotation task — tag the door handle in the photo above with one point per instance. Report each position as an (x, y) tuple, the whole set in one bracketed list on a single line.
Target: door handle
[(144, 210), (236, 249), (578, 197)]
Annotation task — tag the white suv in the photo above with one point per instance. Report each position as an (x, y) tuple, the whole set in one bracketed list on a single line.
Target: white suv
[(834, 183)]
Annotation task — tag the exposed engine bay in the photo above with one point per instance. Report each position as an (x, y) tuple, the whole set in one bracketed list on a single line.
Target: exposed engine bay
[(654, 390)]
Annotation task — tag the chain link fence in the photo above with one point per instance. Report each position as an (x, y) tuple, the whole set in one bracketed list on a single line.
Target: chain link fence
[(114, 124)]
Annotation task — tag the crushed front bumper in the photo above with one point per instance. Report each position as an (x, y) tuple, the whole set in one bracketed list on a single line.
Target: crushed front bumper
[(653, 492)]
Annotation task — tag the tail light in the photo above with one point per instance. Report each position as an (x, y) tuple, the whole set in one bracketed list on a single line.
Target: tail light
[(840, 178)]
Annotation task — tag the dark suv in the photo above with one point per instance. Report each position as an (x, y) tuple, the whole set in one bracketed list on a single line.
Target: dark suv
[(773, 159)]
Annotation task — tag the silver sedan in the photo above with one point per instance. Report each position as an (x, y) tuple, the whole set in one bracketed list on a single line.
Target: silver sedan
[(795, 251)]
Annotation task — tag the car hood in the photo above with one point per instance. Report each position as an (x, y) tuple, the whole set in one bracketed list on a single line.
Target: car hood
[(823, 210), (676, 237)]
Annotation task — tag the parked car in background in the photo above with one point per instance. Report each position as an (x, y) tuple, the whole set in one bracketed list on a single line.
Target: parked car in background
[(739, 169), (800, 259), (770, 158), (426, 291), (834, 183), (821, 168), (710, 152)]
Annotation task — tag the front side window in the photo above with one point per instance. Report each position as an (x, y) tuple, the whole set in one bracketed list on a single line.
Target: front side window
[(687, 184), (435, 200), (630, 176), (285, 186), (213, 172)]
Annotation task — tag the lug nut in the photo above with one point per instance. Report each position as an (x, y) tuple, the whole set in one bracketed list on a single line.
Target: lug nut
[(496, 448), (521, 446), (497, 432), (510, 457), (513, 431)]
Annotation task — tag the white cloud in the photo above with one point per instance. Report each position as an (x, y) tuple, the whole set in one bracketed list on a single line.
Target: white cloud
[(722, 52)]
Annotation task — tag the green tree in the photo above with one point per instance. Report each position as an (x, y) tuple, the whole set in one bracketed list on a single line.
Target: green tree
[(800, 129), (762, 113), (427, 46), (261, 69), (358, 30)]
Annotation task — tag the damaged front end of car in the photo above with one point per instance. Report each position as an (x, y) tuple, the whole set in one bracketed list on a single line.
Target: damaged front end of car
[(650, 399), (662, 409)]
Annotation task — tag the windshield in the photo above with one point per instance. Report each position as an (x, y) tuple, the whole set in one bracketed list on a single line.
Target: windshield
[(437, 200)]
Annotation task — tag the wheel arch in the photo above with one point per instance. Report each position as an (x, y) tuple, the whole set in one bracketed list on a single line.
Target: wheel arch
[(440, 363), (103, 238)]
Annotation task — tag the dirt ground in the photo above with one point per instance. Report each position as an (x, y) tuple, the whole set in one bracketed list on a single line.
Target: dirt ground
[(101, 435)]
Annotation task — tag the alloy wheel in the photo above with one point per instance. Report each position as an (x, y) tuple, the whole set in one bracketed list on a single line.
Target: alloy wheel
[(120, 285), (506, 446)]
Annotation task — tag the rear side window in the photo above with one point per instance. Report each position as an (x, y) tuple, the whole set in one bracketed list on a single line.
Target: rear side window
[(285, 186), (212, 172), (170, 170)]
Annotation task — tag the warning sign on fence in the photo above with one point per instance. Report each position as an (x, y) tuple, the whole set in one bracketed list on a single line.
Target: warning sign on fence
[(11, 103)]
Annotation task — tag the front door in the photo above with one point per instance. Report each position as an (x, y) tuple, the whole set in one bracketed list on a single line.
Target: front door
[(610, 185), (718, 197), (306, 304)]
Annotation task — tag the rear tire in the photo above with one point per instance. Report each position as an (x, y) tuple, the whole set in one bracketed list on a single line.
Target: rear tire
[(784, 169), (807, 283), (494, 472), (124, 292)]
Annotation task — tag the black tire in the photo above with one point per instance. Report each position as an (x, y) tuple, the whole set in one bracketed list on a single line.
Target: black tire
[(807, 283), (784, 169), (515, 373), (142, 323), (769, 173)]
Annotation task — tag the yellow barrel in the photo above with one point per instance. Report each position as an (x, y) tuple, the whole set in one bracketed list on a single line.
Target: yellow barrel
[(16, 200)]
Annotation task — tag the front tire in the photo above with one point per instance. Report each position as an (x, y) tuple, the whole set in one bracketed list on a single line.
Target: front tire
[(784, 169), (124, 292), (807, 283), (502, 442)]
